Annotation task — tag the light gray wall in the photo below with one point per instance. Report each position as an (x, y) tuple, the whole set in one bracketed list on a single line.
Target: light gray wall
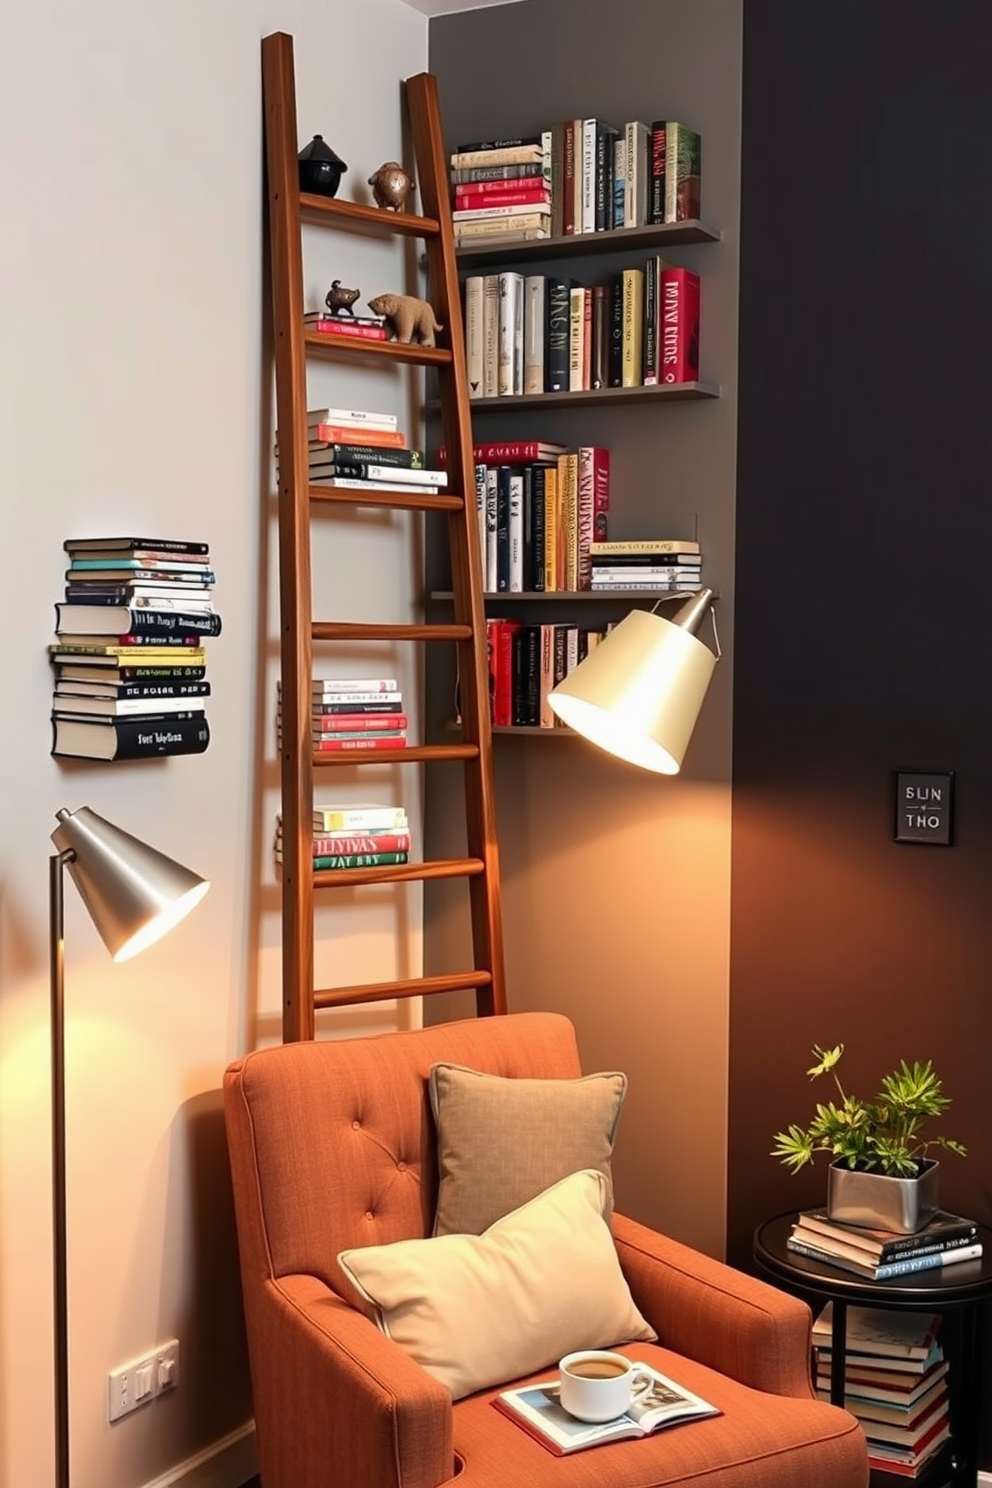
[(616, 882), (136, 398)]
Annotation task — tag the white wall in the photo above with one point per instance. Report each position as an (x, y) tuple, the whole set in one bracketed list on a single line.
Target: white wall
[(136, 397)]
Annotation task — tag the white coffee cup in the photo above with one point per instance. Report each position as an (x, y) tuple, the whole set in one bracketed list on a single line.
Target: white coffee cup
[(599, 1385)]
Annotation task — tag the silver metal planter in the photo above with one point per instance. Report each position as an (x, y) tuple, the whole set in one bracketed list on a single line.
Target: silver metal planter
[(900, 1204)]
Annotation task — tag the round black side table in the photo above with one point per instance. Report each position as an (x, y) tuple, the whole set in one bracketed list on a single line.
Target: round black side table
[(959, 1291)]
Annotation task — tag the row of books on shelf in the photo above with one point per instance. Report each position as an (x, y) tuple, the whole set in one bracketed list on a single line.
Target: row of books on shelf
[(541, 333), (349, 714), (351, 449), (945, 1240), (364, 835), (895, 1383), (129, 656), (526, 662), (578, 176)]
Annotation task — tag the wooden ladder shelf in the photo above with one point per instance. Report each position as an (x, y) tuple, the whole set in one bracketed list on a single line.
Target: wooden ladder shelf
[(299, 503)]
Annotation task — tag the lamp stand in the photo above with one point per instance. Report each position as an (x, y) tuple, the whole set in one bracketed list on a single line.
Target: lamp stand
[(57, 957)]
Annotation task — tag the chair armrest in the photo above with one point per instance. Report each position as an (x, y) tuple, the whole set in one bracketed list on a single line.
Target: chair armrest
[(336, 1400), (720, 1317)]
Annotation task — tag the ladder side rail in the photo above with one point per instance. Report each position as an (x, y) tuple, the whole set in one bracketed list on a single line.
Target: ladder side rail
[(480, 805), (295, 600)]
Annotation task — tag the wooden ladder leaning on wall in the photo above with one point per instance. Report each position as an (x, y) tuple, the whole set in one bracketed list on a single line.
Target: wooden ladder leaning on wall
[(299, 503)]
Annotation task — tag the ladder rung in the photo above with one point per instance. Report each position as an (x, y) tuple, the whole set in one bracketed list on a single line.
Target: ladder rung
[(411, 987), (327, 344), (412, 500), (325, 209), (347, 630), (329, 758), (338, 878)]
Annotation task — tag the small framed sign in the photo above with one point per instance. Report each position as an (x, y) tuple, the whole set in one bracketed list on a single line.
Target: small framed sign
[(925, 806)]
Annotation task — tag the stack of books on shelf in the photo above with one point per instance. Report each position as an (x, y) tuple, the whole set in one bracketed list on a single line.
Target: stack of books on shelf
[(540, 506), (895, 1382), (353, 449), (129, 659), (360, 836), (578, 176), (501, 191), (668, 565), (526, 662), (946, 1240), (348, 713), (541, 333), (365, 327)]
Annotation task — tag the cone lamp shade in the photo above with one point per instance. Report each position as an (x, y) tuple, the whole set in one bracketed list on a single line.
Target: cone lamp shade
[(638, 693), (134, 893)]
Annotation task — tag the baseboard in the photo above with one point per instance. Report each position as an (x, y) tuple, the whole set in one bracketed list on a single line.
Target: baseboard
[(227, 1463)]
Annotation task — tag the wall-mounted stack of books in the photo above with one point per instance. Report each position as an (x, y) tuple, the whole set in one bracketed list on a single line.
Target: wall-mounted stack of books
[(895, 1382), (360, 836), (526, 662), (666, 564), (354, 448), (130, 661), (540, 508), (539, 333), (579, 176)]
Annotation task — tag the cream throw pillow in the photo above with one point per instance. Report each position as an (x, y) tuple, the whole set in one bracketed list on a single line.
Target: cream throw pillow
[(501, 1141), (479, 1310)]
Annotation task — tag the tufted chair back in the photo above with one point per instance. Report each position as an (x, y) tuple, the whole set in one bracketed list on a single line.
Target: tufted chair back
[(332, 1142)]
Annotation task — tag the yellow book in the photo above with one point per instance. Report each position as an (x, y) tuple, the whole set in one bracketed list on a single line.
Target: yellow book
[(632, 374), (551, 528), (140, 655), (568, 518)]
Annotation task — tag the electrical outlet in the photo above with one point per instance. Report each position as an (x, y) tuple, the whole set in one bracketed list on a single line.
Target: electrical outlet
[(135, 1384)]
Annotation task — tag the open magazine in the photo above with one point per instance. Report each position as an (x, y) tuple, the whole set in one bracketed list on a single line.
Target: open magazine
[(537, 1409)]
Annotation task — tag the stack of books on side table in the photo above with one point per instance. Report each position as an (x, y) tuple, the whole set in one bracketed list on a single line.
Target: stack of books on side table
[(895, 1382), (945, 1240)]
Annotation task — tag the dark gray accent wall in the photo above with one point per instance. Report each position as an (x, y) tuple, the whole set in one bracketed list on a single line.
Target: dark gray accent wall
[(616, 882), (864, 530)]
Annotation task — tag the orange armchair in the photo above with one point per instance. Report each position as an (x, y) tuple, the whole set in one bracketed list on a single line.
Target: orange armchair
[(332, 1146)]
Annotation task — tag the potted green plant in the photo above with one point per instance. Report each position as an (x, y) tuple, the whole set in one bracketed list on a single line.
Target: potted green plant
[(881, 1174)]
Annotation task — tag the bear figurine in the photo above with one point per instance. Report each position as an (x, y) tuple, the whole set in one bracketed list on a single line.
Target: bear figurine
[(391, 186), (409, 319)]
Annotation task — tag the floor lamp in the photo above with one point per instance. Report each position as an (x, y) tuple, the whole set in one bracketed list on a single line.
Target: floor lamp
[(134, 896), (638, 693)]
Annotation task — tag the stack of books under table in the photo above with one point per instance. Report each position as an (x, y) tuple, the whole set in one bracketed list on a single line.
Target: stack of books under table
[(895, 1382)]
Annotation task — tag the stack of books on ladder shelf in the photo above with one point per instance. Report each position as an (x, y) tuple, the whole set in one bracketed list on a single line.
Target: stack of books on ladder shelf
[(360, 836), (666, 565), (355, 449), (349, 713), (895, 1382), (129, 659)]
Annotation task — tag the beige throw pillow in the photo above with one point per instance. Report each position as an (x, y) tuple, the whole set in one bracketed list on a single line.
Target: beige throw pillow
[(501, 1141), (479, 1310)]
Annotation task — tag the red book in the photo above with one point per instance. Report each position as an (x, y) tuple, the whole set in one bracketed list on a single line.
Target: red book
[(356, 434), (324, 723), (342, 327), (470, 201), (496, 190), (593, 505), (679, 321), (504, 631), (370, 743), (514, 452), (347, 843)]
